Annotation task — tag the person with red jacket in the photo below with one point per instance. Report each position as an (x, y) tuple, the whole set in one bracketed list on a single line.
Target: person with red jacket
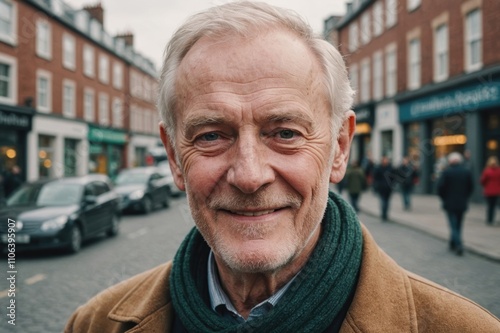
[(490, 179)]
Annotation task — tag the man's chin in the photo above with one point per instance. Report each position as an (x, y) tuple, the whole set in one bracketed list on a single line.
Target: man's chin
[(256, 261)]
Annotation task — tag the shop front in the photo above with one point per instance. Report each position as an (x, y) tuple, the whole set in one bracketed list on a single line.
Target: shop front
[(464, 118), (15, 124), (107, 153), (361, 146)]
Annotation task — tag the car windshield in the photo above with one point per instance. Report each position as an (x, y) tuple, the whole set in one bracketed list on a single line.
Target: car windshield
[(50, 194), (128, 178)]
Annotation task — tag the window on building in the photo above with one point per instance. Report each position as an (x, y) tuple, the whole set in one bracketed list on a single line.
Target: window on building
[(45, 156), (117, 75), (378, 19), (104, 68), (414, 64), (43, 39), (8, 79), (413, 4), (69, 98), (70, 157), (353, 36), (390, 72), (365, 81), (473, 40), (353, 76), (377, 75), (88, 61), (103, 109), (441, 53), (391, 13), (44, 91), (366, 29), (8, 17), (88, 104), (69, 52), (117, 113)]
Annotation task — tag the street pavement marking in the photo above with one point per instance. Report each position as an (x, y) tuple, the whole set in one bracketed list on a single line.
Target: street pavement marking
[(35, 278), (138, 233)]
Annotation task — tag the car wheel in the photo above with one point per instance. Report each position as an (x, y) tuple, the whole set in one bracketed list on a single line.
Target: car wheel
[(75, 239), (115, 227), (147, 205)]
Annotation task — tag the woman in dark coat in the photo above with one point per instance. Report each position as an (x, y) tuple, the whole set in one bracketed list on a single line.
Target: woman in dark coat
[(384, 176)]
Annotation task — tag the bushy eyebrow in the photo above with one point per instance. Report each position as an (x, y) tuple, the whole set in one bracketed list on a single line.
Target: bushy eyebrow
[(286, 116), (192, 122)]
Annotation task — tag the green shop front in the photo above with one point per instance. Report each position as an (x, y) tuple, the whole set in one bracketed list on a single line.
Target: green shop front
[(464, 118), (106, 150)]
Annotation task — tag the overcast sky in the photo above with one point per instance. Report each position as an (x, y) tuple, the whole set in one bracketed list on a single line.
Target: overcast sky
[(153, 21)]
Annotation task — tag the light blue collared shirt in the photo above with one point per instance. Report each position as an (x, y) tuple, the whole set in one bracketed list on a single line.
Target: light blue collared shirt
[(221, 303)]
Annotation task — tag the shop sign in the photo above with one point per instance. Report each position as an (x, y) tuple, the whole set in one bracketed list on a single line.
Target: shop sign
[(468, 99), (107, 136), (365, 115), (16, 120)]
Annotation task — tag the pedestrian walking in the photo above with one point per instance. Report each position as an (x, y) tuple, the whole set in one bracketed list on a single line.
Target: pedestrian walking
[(341, 185), (455, 187), (407, 176), (490, 180), (356, 183), (368, 166), (384, 177), (12, 180)]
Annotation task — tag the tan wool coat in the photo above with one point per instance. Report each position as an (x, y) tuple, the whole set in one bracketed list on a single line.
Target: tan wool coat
[(387, 299)]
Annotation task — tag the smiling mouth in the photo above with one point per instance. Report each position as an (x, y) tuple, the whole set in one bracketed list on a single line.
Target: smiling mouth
[(257, 213)]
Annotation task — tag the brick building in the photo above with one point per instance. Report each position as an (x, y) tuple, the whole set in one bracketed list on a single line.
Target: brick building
[(427, 76), (68, 90)]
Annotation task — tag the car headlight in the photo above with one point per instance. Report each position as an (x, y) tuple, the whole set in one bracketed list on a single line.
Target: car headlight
[(55, 224), (136, 195)]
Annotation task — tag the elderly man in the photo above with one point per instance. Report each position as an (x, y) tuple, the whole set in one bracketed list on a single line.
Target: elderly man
[(256, 123)]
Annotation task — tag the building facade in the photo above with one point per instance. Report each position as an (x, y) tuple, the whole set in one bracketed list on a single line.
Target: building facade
[(66, 91), (427, 80)]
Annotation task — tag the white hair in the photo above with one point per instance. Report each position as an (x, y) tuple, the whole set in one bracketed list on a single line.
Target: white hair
[(244, 18), (455, 158)]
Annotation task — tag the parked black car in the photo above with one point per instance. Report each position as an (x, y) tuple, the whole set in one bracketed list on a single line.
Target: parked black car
[(60, 213), (142, 189)]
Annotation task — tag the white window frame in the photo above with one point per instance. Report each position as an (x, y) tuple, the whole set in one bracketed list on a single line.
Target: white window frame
[(391, 70), (103, 117), (354, 80), (378, 19), (366, 29), (89, 106), (391, 13), (117, 75), (69, 51), (411, 5), (353, 37), (69, 100), (12, 62), (88, 61), (117, 112), (48, 76), (378, 75), (364, 91), (471, 38), (104, 68), (11, 36), (43, 43), (441, 52), (414, 63)]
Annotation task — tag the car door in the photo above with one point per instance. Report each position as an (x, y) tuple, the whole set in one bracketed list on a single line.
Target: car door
[(156, 183), (106, 205), (90, 209)]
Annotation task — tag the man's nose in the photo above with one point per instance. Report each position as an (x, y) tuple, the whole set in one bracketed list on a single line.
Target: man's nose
[(250, 165)]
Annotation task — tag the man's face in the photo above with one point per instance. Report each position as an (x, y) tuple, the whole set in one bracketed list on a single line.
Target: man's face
[(255, 148)]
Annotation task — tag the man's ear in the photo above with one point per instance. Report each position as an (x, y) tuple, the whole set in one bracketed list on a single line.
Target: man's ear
[(172, 158), (341, 158)]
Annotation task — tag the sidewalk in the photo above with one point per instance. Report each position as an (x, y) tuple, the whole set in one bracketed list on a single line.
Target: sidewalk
[(427, 216)]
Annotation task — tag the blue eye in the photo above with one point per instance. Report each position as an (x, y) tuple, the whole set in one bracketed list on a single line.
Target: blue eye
[(286, 134), (210, 136)]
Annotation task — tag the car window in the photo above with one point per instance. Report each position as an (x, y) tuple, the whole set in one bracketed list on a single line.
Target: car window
[(100, 188), (59, 194), (89, 190), (27, 194), (127, 178)]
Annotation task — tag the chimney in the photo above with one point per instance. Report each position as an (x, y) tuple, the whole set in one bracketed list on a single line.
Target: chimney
[(96, 12), (128, 37)]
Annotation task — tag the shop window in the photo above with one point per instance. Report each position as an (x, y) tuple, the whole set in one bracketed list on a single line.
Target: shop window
[(140, 156), (9, 149), (70, 157), (45, 156), (448, 135), (387, 146), (413, 143)]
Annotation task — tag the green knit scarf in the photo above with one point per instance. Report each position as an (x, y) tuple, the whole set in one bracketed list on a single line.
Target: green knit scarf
[(313, 299)]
